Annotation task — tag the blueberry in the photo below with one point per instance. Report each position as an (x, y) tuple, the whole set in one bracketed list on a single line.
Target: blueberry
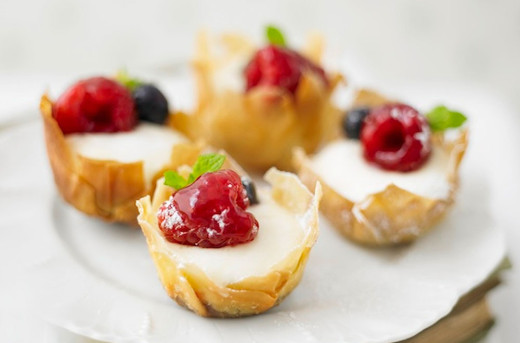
[(151, 105), (353, 121), (249, 186)]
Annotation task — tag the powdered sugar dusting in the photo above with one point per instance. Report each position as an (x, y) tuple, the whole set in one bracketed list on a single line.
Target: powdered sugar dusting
[(170, 214), (220, 218), (424, 137)]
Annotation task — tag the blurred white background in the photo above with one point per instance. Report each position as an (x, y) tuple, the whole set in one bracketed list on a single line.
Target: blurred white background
[(434, 41), (474, 43)]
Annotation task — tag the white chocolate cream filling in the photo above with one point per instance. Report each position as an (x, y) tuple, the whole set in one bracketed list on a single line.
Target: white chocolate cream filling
[(150, 143), (280, 232), (342, 166)]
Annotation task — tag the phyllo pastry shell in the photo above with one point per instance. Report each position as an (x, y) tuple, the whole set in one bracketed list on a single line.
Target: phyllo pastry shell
[(391, 214), (259, 127), (105, 188), (244, 279)]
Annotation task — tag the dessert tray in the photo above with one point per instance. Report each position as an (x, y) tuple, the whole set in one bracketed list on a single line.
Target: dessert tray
[(98, 280)]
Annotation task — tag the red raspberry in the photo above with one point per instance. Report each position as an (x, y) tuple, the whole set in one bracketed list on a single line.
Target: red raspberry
[(96, 104), (396, 137), (209, 213), (280, 67)]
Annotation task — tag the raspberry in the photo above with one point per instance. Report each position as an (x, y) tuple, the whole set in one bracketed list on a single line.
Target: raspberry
[(396, 137), (279, 67), (209, 213), (96, 104)]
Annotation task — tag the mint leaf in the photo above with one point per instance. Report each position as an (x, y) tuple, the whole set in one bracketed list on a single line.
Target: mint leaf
[(174, 180), (441, 118), (205, 164), (274, 35), (124, 78)]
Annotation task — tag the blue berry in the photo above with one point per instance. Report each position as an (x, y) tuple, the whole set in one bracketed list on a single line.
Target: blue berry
[(151, 105), (353, 121), (250, 188)]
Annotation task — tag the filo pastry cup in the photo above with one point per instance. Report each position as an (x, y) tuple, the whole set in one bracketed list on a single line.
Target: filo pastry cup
[(191, 285), (259, 127), (106, 189), (393, 215)]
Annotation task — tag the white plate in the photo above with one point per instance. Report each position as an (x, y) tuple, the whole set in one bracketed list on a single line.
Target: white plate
[(98, 280)]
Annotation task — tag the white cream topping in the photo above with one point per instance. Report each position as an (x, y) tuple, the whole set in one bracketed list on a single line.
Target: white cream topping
[(150, 143), (279, 233), (342, 166)]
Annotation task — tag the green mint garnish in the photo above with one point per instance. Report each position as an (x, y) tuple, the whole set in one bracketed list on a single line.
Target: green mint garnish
[(274, 35), (124, 78), (206, 163), (173, 179), (442, 118)]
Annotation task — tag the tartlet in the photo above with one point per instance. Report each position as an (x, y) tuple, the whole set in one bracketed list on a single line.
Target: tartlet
[(260, 126), (392, 214), (103, 188), (238, 289)]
